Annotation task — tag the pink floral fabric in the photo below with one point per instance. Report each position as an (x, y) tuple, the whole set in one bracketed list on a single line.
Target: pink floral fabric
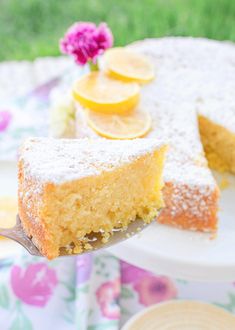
[(5, 119), (35, 284), (83, 268), (107, 297), (90, 292), (155, 289), (151, 289)]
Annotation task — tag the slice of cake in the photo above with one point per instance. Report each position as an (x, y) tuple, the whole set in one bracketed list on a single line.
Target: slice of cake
[(70, 188)]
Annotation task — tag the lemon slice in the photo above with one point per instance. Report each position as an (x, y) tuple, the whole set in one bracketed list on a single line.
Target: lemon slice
[(124, 64), (8, 211), (125, 126), (101, 93)]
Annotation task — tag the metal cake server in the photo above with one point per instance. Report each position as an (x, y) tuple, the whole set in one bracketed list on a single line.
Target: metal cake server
[(17, 234)]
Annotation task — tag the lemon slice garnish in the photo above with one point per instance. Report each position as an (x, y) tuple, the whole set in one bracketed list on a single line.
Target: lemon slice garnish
[(120, 126), (125, 64), (100, 93)]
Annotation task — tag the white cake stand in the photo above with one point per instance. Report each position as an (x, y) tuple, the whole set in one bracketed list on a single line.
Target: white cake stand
[(162, 249)]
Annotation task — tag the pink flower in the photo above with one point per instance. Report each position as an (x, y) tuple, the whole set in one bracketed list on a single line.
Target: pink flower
[(35, 284), (85, 41), (131, 274), (5, 118), (107, 296), (154, 289)]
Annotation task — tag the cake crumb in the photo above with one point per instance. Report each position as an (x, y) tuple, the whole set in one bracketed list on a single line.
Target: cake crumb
[(224, 183)]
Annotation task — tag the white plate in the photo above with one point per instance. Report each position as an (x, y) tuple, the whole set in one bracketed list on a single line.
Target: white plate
[(162, 249)]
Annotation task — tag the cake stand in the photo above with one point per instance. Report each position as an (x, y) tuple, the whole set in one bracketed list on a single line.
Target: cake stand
[(162, 249)]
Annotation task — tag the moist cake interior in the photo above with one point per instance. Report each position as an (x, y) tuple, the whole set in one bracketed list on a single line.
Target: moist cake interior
[(70, 188)]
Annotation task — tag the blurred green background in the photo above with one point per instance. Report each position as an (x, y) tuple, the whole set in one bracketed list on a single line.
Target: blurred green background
[(31, 28)]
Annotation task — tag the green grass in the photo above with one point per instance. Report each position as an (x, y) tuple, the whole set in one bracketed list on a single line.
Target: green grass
[(31, 28)]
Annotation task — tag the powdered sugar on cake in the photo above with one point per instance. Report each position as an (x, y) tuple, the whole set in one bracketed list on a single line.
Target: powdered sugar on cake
[(62, 160), (196, 71)]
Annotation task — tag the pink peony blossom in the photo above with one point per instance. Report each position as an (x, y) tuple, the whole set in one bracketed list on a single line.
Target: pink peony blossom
[(85, 41), (5, 119), (154, 289), (107, 296), (35, 284)]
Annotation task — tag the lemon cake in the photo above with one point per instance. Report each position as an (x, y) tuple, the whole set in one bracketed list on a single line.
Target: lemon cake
[(190, 103), (71, 188)]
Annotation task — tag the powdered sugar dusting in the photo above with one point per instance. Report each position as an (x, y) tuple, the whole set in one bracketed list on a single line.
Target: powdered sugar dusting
[(197, 71), (62, 160)]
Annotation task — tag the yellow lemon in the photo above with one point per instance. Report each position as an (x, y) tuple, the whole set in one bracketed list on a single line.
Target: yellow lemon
[(120, 126), (101, 93), (125, 64), (8, 212)]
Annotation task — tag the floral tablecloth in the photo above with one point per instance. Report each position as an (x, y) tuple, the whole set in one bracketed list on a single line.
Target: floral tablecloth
[(95, 291)]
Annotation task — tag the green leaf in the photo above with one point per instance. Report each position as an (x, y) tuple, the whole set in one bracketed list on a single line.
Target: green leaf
[(71, 290), (69, 313), (232, 299), (124, 311), (230, 306), (126, 293), (4, 297), (21, 322), (83, 289), (225, 306)]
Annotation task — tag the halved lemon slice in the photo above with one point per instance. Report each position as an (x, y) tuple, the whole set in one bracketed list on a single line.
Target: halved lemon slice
[(101, 93), (8, 211), (125, 126), (125, 64)]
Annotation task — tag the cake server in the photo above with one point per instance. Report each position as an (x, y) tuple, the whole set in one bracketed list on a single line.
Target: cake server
[(17, 234)]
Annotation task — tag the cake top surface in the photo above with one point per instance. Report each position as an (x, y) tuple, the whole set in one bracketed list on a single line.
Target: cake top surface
[(195, 70), (63, 160), (193, 75)]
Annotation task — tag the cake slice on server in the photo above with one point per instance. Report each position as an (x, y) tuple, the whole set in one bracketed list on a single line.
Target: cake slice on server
[(71, 188)]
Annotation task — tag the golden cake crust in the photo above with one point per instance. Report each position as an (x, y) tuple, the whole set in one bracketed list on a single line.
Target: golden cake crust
[(180, 213), (29, 213)]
